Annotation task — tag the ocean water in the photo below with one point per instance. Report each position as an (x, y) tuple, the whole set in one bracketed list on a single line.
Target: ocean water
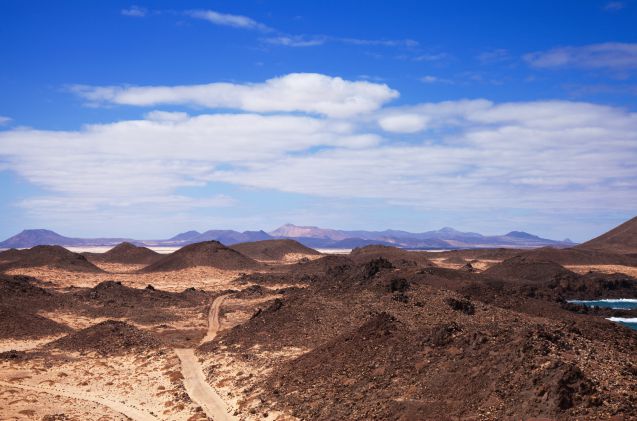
[(618, 304)]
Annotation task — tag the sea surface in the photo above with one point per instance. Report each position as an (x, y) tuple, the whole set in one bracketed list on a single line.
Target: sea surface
[(617, 304)]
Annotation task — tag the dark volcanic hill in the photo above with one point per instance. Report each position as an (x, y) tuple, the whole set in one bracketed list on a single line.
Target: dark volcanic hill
[(578, 256), (38, 256), (20, 300), (126, 253), (398, 257), (107, 338), (530, 269), (19, 323), (273, 249), (621, 239), (209, 253), (432, 343)]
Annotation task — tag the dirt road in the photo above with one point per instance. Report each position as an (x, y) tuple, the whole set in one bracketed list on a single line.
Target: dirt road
[(198, 389), (213, 319), (76, 393)]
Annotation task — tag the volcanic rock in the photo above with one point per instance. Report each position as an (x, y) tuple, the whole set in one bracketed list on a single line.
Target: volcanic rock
[(53, 256), (273, 249), (126, 253), (209, 253), (621, 239), (107, 338)]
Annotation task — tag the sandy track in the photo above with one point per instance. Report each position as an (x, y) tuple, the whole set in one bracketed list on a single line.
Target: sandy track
[(198, 389), (74, 393), (213, 319)]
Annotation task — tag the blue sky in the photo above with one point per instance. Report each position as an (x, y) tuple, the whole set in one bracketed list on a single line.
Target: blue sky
[(146, 119)]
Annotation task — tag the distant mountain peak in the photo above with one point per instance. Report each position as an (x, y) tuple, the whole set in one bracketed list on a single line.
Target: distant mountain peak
[(295, 231), (185, 236), (312, 236), (35, 237), (522, 234), (448, 230), (37, 230)]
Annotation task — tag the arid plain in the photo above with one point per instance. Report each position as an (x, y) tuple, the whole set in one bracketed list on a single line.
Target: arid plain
[(276, 330)]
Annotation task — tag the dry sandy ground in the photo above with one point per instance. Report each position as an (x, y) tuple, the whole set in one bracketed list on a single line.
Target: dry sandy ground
[(25, 344), (209, 279), (139, 386), (480, 265), (233, 377), (144, 386), (194, 379), (627, 270), (104, 249), (292, 258), (222, 395)]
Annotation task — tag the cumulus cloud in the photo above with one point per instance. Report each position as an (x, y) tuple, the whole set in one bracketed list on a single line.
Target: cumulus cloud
[(304, 92), (611, 55), (158, 115), (225, 19), (150, 159), (464, 154), (4, 120), (538, 155), (403, 123)]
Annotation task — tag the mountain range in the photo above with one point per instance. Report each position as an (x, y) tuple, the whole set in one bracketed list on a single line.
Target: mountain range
[(445, 238)]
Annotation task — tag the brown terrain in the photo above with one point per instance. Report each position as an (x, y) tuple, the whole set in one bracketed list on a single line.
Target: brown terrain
[(125, 253), (619, 240), (275, 250), (52, 256), (207, 254), (274, 330)]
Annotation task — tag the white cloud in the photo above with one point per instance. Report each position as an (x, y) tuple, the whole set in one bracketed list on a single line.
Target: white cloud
[(296, 40), (429, 79), (147, 160), (316, 40), (496, 55), (537, 155), (305, 92), (435, 79), (466, 154), (431, 57), (166, 116), (225, 19), (4, 120), (135, 11), (47, 206), (403, 123), (611, 55), (378, 42)]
